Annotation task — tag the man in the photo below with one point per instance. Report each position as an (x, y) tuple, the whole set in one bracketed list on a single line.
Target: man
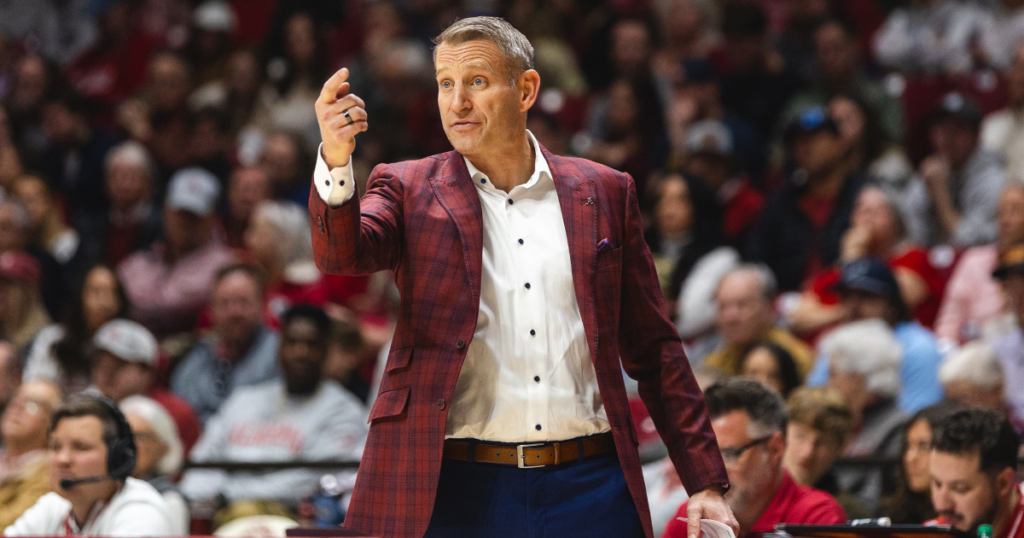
[(749, 420), (284, 164), (169, 283), (240, 350), (481, 241), (957, 189), (14, 238), (91, 454), (973, 376), (802, 224), (125, 364), (299, 417), (1009, 345), (746, 316), (247, 187), (820, 425), (869, 290), (1002, 131), (24, 474), (10, 373), (973, 466)]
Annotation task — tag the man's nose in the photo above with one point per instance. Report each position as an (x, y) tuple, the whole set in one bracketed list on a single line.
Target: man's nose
[(460, 101), (941, 500)]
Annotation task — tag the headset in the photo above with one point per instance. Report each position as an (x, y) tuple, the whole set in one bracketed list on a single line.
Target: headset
[(120, 451)]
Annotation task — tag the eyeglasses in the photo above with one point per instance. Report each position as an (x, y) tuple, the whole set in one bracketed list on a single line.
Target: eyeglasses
[(732, 455)]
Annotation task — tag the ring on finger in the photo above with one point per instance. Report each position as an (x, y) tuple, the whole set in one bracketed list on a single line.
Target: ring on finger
[(348, 117)]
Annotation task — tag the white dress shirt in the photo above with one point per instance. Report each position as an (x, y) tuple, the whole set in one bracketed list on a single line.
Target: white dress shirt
[(528, 375)]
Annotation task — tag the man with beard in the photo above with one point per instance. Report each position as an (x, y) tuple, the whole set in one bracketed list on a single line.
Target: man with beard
[(749, 420), (299, 417), (973, 461)]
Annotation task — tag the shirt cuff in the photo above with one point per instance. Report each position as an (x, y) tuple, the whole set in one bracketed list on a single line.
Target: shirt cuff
[(335, 186)]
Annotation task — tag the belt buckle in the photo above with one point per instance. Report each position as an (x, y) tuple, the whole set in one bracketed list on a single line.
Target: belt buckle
[(521, 457)]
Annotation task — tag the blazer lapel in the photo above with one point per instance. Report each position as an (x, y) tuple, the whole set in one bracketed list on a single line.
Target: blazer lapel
[(579, 214), (454, 189)]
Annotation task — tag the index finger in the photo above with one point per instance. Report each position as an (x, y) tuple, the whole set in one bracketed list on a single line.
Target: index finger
[(329, 93), (693, 515)]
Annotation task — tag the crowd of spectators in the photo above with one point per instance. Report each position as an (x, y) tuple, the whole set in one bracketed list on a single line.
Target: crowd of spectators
[(833, 193)]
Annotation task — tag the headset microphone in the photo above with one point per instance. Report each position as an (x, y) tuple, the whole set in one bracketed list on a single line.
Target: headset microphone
[(68, 483)]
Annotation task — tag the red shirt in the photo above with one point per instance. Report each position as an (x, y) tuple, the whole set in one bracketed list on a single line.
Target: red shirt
[(741, 209), (184, 417), (793, 503), (1014, 527)]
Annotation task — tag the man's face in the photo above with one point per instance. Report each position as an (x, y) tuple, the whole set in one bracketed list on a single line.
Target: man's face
[(852, 386), (127, 184), (118, 379), (280, 161), (236, 307), (77, 450), (818, 153), (185, 230), (27, 417), (752, 473), (60, 124), (743, 314), (810, 453), (302, 354), (963, 494), (149, 448), (862, 305), (248, 187), (630, 46), (1010, 216), (837, 53), (479, 109), (954, 141)]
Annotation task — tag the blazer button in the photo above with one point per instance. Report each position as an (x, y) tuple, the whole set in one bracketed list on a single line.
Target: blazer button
[(461, 344), (441, 404)]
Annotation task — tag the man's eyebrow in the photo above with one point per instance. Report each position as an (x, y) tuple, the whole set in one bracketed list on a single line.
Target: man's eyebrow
[(479, 64)]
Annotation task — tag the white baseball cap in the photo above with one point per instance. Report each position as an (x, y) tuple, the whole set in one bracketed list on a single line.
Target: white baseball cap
[(214, 16), (194, 190), (127, 341), (709, 136)]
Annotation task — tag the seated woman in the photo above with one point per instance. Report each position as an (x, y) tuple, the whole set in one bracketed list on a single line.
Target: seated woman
[(59, 353), (771, 365), (876, 231), (46, 226), (159, 454), (92, 453)]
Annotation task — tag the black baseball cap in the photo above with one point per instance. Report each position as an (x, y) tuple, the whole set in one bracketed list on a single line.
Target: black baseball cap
[(811, 121), (870, 275), (957, 107)]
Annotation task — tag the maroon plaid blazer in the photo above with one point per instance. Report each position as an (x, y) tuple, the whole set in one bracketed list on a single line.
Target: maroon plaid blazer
[(423, 221)]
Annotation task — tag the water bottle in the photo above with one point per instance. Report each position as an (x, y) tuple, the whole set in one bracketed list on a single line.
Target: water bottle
[(984, 531), (327, 510)]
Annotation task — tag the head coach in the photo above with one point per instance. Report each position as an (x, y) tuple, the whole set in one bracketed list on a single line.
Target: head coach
[(524, 278)]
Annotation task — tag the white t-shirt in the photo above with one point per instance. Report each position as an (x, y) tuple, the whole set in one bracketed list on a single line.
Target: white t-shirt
[(137, 510)]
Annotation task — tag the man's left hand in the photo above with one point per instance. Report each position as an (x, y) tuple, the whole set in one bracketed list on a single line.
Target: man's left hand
[(708, 504)]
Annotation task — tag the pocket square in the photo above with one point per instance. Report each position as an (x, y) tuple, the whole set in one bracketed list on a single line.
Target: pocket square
[(604, 245)]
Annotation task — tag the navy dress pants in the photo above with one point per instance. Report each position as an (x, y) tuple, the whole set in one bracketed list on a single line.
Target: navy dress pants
[(586, 498)]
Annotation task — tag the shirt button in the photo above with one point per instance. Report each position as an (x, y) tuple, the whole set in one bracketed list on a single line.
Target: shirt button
[(509, 201), (342, 183), (527, 285), (461, 344), (533, 332), (327, 182), (520, 241), (441, 404), (537, 427), (536, 378), (483, 180)]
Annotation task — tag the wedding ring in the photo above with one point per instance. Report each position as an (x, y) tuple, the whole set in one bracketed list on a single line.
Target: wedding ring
[(349, 118)]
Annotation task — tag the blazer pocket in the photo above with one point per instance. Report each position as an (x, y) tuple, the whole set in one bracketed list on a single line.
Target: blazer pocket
[(608, 258), (399, 359), (391, 403)]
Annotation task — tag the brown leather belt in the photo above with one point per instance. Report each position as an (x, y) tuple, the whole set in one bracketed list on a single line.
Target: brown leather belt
[(530, 454)]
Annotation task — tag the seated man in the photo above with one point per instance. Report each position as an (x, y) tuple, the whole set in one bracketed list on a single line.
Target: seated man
[(749, 420), (973, 462), (125, 364), (239, 351), (301, 417), (92, 452), (746, 316), (24, 475)]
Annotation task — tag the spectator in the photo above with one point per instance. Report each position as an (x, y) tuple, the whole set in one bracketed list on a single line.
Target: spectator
[(973, 377), (285, 163), (876, 231), (125, 364), (22, 314), (89, 437), (24, 474), (750, 423), (931, 36), (746, 316), (46, 227), (1003, 38), (864, 367), (60, 352), (247, 187), (239, 350), (158, 116), (33, 83), (973, 297), (280, 245), (912, 503), (14, 238), (159, 455), (772, 366), (819, 428), (1002, 132), (710, 158), (213, 22), (236, 93), (869, 291), (11, 165), (800, 230), (210, 141), (973, 467), (133, 222), (10, 373), (1009, 346), (868, 148), (955, 196), (299, 417), (169, 283)]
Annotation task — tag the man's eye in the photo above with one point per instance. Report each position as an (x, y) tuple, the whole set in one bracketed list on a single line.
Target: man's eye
[(478, 82), (446, 84)]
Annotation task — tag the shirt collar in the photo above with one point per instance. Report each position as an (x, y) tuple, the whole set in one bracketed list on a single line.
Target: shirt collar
[(540, 166)]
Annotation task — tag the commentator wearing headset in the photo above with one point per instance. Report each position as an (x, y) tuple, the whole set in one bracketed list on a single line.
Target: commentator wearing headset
[(92, 452)]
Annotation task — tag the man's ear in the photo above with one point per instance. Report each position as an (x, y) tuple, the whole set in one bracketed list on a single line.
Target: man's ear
[(529, 89), (777, 446), (1005, 481)]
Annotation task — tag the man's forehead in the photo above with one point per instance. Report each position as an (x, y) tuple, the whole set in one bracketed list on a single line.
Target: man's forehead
[(951, 467), (476, 53)]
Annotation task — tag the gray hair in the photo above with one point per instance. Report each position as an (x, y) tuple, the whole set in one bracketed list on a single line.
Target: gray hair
[(868, 348), (291, 226), (762, 274), (515, 49), (975, 363), (763, 405), (132, 152), (164, 428)]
